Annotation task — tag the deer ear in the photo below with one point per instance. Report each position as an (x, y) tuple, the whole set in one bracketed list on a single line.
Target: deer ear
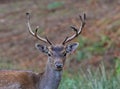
[(42, 48), (71, 47)]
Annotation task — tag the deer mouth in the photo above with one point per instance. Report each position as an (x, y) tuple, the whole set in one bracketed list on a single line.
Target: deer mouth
[(59, 69)]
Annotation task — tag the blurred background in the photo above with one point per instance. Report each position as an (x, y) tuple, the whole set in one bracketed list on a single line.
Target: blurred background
[(99, 40)]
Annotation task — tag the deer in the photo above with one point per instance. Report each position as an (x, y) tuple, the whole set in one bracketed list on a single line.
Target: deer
[(51, 77)]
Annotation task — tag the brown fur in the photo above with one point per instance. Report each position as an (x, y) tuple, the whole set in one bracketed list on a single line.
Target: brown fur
[(24, 79)]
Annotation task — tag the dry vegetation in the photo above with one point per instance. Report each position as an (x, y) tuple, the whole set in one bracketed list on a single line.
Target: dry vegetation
[(99, 41)]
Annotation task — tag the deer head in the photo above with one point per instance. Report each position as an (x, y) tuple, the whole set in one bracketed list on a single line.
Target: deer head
[(57, 53)]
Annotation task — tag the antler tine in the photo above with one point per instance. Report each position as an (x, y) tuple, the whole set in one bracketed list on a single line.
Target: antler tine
[(77, 31), (36, 30), (48, 41)]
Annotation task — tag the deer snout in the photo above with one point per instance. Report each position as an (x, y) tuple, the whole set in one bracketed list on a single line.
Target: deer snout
[(59, 65)]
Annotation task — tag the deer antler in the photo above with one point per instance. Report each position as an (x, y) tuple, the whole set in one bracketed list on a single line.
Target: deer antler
[(77, 31), (36, 30)]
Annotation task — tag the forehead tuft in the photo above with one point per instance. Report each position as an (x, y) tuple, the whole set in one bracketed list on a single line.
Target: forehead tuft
[(57, 48)]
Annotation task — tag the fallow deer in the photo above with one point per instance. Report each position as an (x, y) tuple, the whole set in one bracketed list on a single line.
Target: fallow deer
[(50, 79)]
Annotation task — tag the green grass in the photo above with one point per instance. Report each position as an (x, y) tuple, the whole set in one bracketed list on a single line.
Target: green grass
[(117, 66), (55, 5), (98, 79), (7, 64), (88, 48)]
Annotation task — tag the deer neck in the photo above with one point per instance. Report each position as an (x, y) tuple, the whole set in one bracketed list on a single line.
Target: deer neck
[(50, 79)]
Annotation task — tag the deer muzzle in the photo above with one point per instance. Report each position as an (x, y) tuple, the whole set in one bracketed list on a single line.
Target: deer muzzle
[(59, 65)]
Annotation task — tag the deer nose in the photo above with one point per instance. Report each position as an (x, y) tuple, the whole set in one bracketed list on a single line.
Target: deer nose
[(58, 65)]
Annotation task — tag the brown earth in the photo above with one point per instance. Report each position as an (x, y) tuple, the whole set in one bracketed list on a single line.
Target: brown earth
[(16, 44)]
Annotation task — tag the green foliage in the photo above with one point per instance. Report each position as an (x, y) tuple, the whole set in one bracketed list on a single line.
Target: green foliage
[(87, 48), (118, 65), (99, 46), (55, 5), (69, 82), (7, 64), (91, 79), (81, 53)]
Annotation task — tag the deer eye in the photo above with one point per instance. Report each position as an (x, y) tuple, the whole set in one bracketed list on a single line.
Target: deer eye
[(49, 54), (64, 53)]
